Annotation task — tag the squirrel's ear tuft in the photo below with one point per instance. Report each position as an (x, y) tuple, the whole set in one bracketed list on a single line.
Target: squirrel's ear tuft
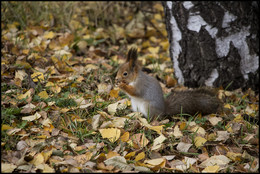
[(132, 54), (132, 57)]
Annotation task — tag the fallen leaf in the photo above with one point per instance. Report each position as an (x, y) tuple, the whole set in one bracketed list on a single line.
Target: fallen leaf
[(156, 162), (199, 141), (6, 127), (236, 157), (23, 96), (38, 159), (114, 93), (129, 155), (140, 156), (120, 162), (158, 142), (183, 147), (112, 108), (7, 167), (37, 76), (222, 135), (43, 95), (112, 134), (176, 132), (32, 117), (211, 169), (220, 160), (199, 130), (125, 137), (214, 120), (111, 154)]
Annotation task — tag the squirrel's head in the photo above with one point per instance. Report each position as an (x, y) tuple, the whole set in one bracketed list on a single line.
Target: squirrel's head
[(128, 71)]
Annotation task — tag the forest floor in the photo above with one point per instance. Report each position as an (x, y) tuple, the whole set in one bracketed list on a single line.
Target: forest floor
[(61, 112)]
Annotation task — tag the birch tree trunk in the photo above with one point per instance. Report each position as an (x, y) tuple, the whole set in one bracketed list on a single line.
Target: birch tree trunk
[(214, 43)]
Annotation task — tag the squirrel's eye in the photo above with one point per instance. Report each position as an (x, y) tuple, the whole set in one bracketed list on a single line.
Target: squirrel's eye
[(125, 74)]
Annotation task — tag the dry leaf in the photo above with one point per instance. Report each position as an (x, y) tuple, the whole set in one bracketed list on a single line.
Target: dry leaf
[(43, 95), (23, 96), (140, 156), (222, 135), (37, 76), (7, 167), (158, 142), (112, 108), (112, 134), (199, 141), (236, 157), (219, 160), (183, 147), (120, 162), (129, 155), (32, 117), (211, 169), (176, 132), (125, 137)]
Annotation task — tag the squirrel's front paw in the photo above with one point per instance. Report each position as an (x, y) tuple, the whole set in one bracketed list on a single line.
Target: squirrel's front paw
[(122, 85)]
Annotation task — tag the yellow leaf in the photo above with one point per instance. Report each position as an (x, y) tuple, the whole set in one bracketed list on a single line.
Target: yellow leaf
[(154, 50), (112, 134), (49, 35), (55, 89), (129, 155), (155, 162), (42, 136), (158, 129), (125, 137), (49, 84), (37, 76), (140, 156), (43, 95), (238, 118), (146, 44), (182, 125), (6, 127), (165, 45), (199, 141), (227, 106), (7, 167), (114, 93), (112, 154), (158, 16), (234, 156), (38, 159), (211, 169), (25, 51), (23, 96), (47, 155), (48, 128), (48, 169)]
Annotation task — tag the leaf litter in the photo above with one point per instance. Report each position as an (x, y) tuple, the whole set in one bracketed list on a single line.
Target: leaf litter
[(61, 111)]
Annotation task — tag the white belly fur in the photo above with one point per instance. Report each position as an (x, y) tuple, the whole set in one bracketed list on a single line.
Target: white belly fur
[(140, 105)]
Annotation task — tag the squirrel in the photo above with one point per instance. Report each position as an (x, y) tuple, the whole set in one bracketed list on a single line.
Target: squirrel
[(147, 97)]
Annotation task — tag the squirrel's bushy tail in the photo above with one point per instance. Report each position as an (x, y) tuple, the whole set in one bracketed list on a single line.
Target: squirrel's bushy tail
[(201, 100)]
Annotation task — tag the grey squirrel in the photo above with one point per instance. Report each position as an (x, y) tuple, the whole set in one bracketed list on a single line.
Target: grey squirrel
[(146, 93)]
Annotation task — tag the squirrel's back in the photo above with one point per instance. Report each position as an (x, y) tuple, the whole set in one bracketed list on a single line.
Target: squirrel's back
[(199, 100)]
